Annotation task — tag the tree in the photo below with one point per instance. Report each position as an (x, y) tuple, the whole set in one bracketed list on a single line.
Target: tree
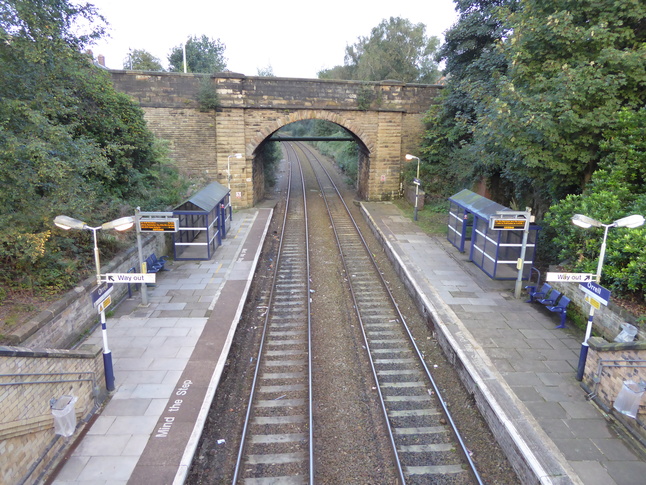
[(396, 49), (573, 66), (203, 55), (69, 143), (266, 71), (473, 65), (141, 60)]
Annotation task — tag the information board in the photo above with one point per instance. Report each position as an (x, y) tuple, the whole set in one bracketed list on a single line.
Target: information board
[(158, 225)]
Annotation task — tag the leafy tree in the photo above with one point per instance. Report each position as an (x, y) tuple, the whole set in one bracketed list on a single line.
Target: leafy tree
[(617, 189), (396, 49), (573, 66), (266, 71), (141, 60), (69, 143), (473, 65), (203, 55)]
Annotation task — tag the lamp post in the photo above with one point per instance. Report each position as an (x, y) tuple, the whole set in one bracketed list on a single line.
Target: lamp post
[(417, 181), (586, 222), (235, 155), (122, 224)]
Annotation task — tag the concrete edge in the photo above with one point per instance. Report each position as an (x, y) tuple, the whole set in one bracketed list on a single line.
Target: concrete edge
[(194, 439), (541, 460)]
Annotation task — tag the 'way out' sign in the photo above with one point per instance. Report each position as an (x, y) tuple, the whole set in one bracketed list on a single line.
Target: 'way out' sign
[(130, 277), (569, 277)]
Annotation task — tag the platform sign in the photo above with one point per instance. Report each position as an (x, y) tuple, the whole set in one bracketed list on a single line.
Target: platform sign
[(100, 293), (158, 224), (569, 277), (417, 181), (592, 302), (596, 292), (130, 277), (509, 221), (105, 303)]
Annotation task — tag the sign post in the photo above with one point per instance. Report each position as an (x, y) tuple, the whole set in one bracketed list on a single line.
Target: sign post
[(514, 221)]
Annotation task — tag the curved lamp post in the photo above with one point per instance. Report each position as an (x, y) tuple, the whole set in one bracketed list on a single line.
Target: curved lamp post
[(235, 155), (122, 224), (417, 182), (586, 222)]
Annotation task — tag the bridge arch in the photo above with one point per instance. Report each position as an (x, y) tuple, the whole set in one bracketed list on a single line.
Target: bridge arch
[(386, 118)]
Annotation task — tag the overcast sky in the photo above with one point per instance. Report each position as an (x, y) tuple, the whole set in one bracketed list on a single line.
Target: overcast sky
[(296, 38)]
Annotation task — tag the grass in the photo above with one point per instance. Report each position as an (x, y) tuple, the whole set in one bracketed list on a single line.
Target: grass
[(432, 219)]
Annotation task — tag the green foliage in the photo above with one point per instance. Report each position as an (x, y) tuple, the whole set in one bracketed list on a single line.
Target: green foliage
[(141, 60), (69, 144), (203, 55), (366, 97), (617, 190), (207, 96), (396, 49), (266, 71)]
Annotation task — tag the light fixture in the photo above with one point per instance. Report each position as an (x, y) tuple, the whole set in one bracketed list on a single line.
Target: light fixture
[(121, 224), (586, 222)]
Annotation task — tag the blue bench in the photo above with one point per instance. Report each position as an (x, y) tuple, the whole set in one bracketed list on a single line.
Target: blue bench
[(560, 307), (550, 299), (155, 264), (542, 293)]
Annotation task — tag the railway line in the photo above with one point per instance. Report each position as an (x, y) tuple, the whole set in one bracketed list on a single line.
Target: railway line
[(278, 442)]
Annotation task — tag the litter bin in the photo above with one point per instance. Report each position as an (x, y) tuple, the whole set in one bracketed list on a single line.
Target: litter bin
[(627, 333), (629, 397), (64, 415)]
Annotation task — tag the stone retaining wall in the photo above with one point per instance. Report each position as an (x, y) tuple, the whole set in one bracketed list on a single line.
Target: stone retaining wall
[(29, 379)]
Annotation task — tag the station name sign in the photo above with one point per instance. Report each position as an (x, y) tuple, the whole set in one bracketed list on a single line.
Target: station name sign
[(509, 221)]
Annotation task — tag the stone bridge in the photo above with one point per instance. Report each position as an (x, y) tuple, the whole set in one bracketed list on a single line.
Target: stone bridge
[(385, 119)]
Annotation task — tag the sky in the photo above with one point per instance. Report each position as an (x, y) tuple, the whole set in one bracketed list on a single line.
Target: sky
[(296, 38)]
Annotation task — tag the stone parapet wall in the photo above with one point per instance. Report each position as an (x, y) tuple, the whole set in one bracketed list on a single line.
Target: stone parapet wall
[(62, 324), (608, 366), (30, 378)]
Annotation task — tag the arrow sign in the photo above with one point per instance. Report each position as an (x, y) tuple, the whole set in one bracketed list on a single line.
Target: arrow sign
[(130, 277), (569, 277), (596, 292)]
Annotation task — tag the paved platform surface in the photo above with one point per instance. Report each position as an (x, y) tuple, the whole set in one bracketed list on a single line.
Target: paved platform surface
[(168, 359), (522, 363)]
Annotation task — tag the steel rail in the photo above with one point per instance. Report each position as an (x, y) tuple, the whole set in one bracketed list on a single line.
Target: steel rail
[(456, 432), (240, 456)]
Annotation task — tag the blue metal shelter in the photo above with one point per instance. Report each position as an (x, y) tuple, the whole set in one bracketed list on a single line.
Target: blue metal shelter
[(204, 221), (494, 251)]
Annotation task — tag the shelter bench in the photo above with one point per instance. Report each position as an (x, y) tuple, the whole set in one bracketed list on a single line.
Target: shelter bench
[(553, 300)]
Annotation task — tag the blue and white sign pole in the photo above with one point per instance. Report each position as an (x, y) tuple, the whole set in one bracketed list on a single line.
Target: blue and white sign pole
[(586, 222), (122, 224)]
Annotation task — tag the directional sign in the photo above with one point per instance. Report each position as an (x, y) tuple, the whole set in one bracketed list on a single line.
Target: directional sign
[(100, 293), (569, 277), (130, 277), (417, 181), (596, 292), (104, 304)]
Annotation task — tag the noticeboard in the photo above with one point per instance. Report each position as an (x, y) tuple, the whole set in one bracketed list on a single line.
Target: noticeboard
[(158, 225)]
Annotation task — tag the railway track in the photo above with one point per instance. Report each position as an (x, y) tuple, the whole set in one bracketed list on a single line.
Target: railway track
[(277, 443)]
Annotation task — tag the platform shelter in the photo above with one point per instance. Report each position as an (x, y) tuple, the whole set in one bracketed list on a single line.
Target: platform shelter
[(494, 251), (204, 220)]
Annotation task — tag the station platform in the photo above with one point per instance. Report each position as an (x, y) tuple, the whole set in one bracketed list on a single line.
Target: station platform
[(169, 357)]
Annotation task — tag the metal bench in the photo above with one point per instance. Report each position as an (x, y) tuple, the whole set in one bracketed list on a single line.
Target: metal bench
[(550, 299), (533, 294), (560, 307), (155, 264)]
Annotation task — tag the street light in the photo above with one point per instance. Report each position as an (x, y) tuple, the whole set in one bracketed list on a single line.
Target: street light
[(417, 181), (121, 224), (235, 155), (586, 222)]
